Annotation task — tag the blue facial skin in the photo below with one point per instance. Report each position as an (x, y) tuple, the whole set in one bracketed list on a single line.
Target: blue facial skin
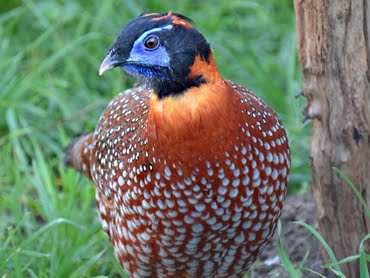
[(152, 63), (150, 72)]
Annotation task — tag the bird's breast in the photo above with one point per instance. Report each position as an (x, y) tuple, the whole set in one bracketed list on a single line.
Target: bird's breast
[(187, 184)]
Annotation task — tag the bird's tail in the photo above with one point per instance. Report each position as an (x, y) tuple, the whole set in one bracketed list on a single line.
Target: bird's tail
[(78, 153)]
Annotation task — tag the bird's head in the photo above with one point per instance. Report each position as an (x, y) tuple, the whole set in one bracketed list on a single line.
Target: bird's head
[(165, 51)]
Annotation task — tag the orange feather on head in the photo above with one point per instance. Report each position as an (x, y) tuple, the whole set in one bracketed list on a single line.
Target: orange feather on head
[(174, 19), (179, 21), (163, 17)]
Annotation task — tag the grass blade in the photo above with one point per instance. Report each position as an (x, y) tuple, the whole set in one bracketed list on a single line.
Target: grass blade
[(304, 259), (364, 259), (345, 260), (324, 244), (286, 262), (357, 192)]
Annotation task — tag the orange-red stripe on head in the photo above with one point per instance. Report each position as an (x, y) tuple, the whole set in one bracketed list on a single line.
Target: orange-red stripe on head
[(175, 19), (178, 21), (167, 16), (149, 14)]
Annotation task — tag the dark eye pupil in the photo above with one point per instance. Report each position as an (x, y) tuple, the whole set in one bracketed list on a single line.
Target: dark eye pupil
[(151, 42)]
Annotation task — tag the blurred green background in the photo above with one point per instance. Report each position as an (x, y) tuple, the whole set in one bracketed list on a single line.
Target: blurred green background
[(50, 52)]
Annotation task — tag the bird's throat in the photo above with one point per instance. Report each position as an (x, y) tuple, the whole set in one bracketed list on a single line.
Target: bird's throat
[(164, 87), (203, 71), (182, 117)]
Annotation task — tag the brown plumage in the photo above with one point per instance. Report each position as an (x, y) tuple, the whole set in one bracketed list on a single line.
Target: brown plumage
[(190, 169)]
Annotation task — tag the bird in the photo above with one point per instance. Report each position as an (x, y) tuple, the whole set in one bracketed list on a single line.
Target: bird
[(191, 169)]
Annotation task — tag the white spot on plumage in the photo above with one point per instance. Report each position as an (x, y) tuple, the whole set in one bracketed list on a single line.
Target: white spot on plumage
[(268, 171), (240, 238), (236, 172), (222, 190), (274, 174), (269, 157), (200, 207), (211, 221), (251, 236), (179, 172), (233, 192), (246, 180), (197, 228), (283, 172), (121, 181), (256, 182), (235, 183), (167, 171)]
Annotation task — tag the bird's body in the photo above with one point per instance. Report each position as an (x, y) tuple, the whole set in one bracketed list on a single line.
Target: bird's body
[(191, 183)]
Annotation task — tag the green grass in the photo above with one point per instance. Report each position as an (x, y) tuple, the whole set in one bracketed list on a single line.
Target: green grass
[(50, 90), (335, 266)]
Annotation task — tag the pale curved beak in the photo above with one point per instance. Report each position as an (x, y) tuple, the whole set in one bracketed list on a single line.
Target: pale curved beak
[(107, 64)]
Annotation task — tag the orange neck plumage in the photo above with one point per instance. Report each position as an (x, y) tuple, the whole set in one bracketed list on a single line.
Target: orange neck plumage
[(182, 117), (208, 69)]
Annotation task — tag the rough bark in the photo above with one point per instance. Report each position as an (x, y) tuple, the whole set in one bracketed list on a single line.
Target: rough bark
[(334, 53)]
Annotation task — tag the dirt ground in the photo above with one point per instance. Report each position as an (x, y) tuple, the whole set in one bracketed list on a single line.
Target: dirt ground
[(297, 240)]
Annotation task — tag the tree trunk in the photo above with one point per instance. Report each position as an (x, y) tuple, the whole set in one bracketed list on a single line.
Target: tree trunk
[(334, 53)]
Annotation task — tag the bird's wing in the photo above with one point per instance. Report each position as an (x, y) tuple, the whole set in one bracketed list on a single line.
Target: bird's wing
[(78, 153)]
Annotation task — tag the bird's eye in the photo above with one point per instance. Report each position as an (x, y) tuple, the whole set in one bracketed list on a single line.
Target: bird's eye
[(151, 43)]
